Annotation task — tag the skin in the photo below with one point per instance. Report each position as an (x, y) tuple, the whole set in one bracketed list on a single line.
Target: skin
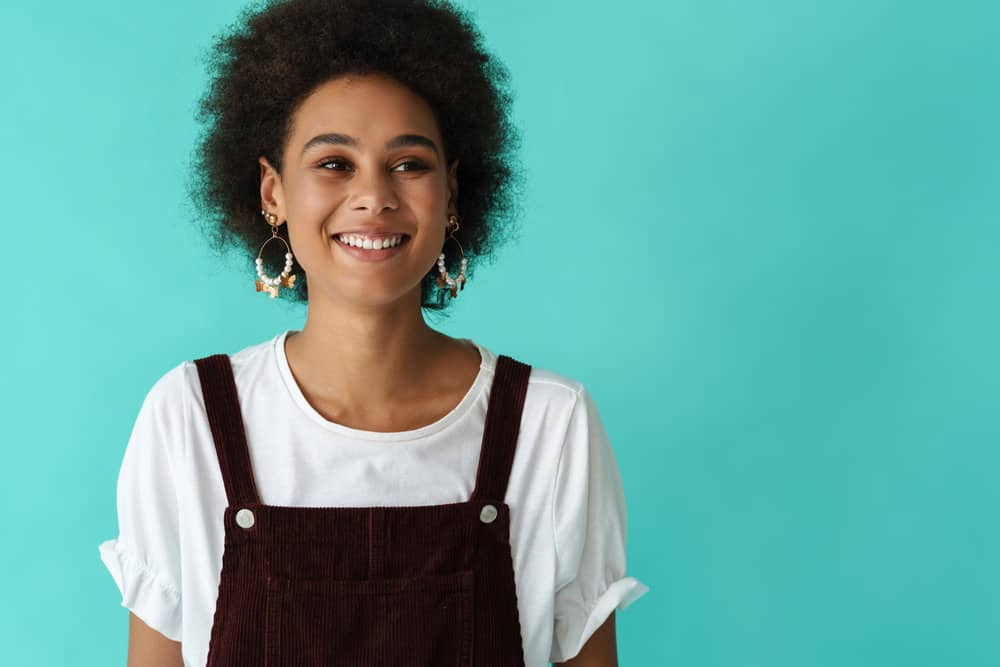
[(149, 648), (601, 649), (365, 357)]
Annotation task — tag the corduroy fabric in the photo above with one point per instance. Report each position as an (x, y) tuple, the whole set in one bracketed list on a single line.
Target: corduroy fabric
[(413, 586)]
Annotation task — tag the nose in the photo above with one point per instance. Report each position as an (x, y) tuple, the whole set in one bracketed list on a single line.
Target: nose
[(373, 189)]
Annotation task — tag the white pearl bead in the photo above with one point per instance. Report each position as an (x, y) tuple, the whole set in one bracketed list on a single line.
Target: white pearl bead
[(288, 255)]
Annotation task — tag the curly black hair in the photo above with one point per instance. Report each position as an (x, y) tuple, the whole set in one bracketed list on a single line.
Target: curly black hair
[(264, 65)]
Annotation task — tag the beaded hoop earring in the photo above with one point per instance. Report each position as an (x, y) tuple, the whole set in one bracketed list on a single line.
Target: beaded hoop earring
[(458, 282), (285, 278)]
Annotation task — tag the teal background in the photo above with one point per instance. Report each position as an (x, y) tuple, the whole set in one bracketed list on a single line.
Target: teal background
[(764, 235)]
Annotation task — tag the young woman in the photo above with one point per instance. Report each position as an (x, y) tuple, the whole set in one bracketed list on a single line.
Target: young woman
[(368, 490)]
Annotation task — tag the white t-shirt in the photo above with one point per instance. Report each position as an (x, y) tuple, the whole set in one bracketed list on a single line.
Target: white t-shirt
[(568, 518)]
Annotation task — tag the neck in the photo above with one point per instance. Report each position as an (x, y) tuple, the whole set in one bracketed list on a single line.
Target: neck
[(364, 360)]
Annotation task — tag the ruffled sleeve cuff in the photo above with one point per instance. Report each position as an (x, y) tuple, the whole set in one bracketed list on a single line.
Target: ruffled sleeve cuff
[(158, 604), (572, 632)]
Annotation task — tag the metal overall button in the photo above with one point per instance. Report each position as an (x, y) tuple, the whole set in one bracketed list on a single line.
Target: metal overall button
[(244, 518), (488, 514)]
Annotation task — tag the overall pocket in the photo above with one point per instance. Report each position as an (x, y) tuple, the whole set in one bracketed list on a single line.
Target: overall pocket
[(424, 621)]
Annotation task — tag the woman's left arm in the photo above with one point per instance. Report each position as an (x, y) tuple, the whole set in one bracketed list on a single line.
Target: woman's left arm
[(599, 651)]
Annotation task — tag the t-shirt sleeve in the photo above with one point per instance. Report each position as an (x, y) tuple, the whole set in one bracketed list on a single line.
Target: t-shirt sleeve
[(589, 521), (144, 559)]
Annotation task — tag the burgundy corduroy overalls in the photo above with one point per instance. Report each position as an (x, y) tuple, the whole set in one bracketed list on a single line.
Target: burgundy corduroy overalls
[(412, 586)]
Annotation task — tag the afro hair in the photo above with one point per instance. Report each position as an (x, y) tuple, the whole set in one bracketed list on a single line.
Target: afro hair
[(265, 64)]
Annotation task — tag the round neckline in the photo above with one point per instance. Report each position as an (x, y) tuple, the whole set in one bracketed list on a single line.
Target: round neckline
[(486, 361)]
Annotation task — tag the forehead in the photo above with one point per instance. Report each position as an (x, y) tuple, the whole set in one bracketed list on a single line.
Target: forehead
[(370, 107)]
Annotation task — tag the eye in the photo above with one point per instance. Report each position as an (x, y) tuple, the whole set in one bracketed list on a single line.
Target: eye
[(326, 162), (415, 165), (420, 166)]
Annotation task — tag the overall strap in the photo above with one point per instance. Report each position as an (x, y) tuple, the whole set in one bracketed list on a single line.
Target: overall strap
[(223, 407), (503, 422)]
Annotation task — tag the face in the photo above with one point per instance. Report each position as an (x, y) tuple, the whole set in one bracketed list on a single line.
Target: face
[(364, 153)]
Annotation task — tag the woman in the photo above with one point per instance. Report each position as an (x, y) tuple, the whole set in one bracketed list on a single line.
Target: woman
[(368, 490)]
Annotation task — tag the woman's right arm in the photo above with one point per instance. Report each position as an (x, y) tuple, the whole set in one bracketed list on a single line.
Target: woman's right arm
[(145, 558), (149, 648)]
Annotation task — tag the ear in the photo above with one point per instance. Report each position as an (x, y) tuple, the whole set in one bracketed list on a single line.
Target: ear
[(453, 188), (272, 195)]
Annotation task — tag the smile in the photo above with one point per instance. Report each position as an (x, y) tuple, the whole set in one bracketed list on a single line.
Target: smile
[(364, 248)]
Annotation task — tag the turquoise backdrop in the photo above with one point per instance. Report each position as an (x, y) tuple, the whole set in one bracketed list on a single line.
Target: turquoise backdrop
[(764, 235)]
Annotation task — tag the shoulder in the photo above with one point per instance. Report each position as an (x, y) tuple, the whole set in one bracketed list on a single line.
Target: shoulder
[(176, 389), (545, 385), (169, 391), (551, 402), (546, 380), (183, 383), (554, 391)]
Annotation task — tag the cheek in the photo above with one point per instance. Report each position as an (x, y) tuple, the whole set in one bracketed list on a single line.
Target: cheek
[(313, 201), (428, 192)]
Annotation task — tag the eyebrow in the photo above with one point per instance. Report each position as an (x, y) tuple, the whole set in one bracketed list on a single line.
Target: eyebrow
[(338, 139)]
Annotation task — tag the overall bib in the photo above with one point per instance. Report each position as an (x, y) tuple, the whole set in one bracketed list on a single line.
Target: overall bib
[(411, 586)]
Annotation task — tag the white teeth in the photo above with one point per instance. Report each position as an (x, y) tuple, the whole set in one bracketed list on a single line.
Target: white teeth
[(368, 243)]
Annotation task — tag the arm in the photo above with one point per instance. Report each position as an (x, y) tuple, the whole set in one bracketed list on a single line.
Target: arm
[(599, 651), (148, 648)]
